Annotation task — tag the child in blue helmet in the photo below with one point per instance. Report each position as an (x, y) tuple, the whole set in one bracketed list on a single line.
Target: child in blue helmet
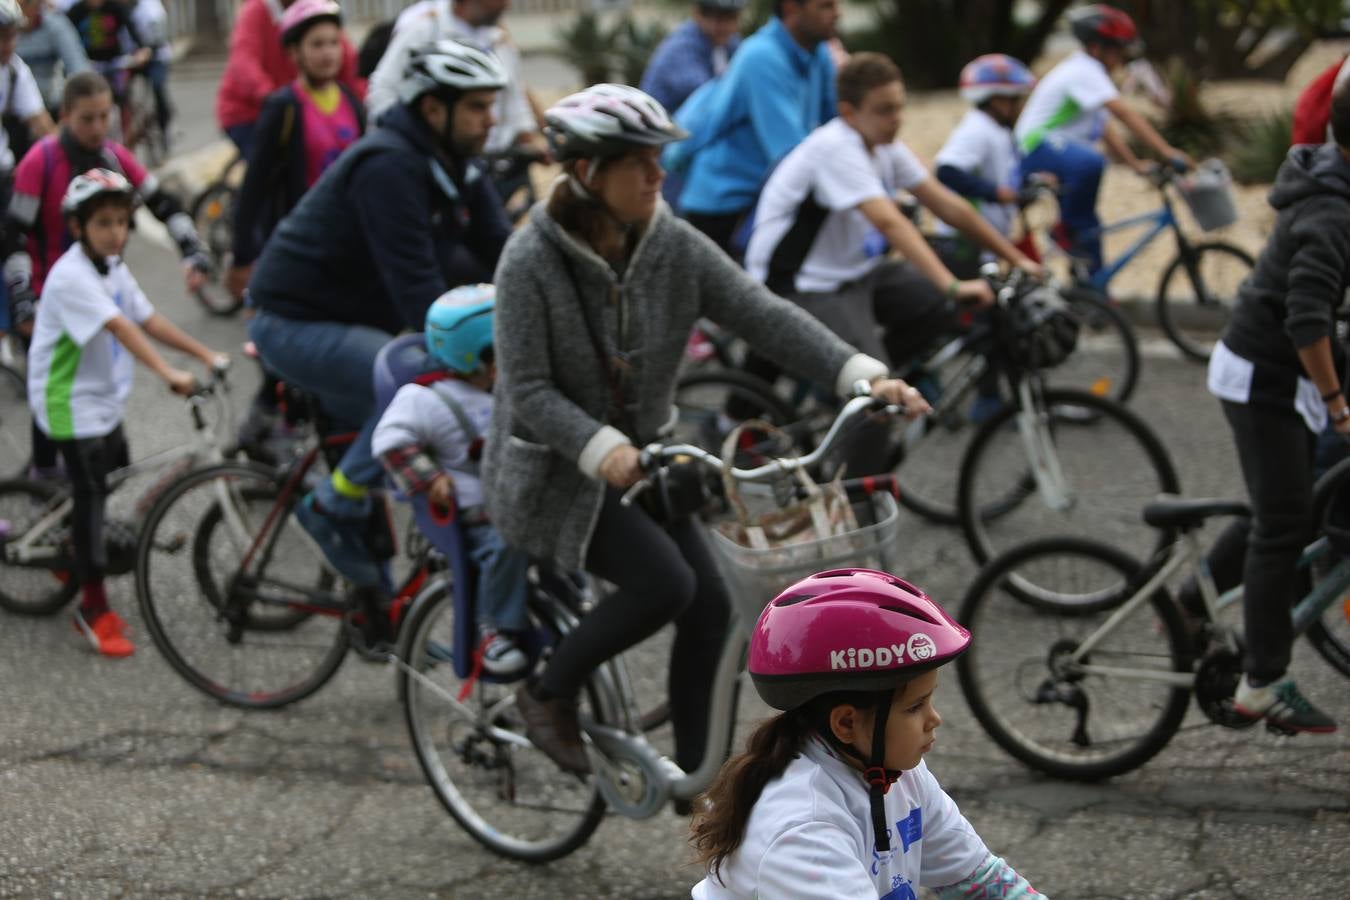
[(430, 440)]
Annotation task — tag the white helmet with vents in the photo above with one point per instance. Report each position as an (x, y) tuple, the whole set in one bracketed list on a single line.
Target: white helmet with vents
[(449, 66), (93, 183), (10, 14), (606, 120)]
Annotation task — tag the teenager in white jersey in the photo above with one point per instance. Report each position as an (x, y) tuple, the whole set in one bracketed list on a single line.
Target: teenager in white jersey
[(827, 218), (1067, 114), (832, 798), (980, 160), (92, 321)]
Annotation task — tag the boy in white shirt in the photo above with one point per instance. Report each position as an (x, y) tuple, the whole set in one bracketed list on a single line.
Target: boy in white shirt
[(832, 798), (980, 160), (1067, 114), (430, 440), (93, 320)]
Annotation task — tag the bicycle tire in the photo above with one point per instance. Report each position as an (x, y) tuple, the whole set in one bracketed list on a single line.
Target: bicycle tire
[(16, 444), (487, 767), (996, 481), (32, 591), (1038, 706), (700, 399), (1106, 360), (1330, 634), (213, 215), (225, 652), (1171, 315)]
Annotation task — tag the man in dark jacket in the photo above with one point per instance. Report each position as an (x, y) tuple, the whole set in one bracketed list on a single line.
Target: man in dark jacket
[(1277, 371), (403, 216)]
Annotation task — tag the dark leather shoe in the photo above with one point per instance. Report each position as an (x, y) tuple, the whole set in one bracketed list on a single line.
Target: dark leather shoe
[(551, 725)]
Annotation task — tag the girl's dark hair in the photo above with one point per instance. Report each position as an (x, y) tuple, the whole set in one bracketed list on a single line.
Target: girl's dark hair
[(724, 809), (81, 85), (93, 205)]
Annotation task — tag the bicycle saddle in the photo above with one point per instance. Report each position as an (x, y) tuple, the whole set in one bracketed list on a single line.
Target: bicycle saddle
[(1180, 512)]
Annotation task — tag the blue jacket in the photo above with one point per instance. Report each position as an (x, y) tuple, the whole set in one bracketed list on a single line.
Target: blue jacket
[(770, 98), (387, 229), (681, 64)]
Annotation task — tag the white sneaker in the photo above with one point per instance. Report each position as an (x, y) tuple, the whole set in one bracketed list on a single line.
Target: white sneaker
[(502, 656), (1282, 705)]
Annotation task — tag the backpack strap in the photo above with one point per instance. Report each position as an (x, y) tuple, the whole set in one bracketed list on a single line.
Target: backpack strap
[(465, 423)]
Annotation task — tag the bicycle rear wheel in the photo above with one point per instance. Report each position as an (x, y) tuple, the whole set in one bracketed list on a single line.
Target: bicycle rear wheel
[(1103, 715), (1106, 360), (1196, 297), (701, 399), (1111, 462), (471, 745), (33, 591), (244, 636)]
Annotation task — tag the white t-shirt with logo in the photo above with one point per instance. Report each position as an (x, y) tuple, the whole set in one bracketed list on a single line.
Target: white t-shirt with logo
[(1069, 100), (982, 147), (79, 375), (807, 223), (19, 96), (810, 837)]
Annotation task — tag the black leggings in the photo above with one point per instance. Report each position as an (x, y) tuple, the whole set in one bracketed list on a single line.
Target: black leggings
[(88, 462), (663, 574)]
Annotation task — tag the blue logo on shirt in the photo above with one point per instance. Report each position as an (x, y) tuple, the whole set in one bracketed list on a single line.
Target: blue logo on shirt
[(900, 890), (910, 828)]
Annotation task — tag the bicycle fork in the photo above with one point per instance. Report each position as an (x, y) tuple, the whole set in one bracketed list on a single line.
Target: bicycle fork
[(1033, 425)]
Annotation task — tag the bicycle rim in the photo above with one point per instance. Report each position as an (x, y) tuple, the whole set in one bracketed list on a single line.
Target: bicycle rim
[(16, 443), (240, 644), (1194, 310), (1112, 463), (33, 591), (506, 794), (1105, 361), (1035, 701)]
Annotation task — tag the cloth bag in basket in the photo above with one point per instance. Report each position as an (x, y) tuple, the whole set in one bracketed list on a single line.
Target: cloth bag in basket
[(821, 512)]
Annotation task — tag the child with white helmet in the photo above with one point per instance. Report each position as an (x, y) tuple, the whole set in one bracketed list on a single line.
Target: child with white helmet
[(832, 798), (980, 160), (92, 322), (430, 440)]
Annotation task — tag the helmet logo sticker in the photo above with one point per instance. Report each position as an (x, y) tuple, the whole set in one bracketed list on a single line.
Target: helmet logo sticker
[(920, 647), (866, 657)]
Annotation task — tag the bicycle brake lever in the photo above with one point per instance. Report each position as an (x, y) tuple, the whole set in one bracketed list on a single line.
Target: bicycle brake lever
[(632, 493)]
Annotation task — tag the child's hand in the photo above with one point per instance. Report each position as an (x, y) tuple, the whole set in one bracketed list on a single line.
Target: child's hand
[(441, 492), (976, 292), (216, 361), (180, 382)]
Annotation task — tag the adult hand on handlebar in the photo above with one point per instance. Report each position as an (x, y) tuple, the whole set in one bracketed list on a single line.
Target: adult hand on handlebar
[(898, 392), (622, 468)]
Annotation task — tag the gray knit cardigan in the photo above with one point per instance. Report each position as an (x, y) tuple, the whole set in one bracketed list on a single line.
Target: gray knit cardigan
[(549, 434)]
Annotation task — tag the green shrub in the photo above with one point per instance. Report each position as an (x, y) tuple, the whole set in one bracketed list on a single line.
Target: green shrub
[(1189, 123), (599, 53), (1264, 145)]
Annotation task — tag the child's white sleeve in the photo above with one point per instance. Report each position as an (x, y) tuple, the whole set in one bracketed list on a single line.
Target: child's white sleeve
[(814, 861), (82, 308), (401, 424), (138, 307), (951, 848)]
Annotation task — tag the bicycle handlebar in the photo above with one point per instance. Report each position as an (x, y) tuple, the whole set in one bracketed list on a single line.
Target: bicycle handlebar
[(654, 454)]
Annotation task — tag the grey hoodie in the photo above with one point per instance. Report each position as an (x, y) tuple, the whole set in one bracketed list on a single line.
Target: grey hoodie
[(1301, 277), (550, 430)]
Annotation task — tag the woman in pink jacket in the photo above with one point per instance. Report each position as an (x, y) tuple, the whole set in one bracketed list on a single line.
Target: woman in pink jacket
[(258, 65)]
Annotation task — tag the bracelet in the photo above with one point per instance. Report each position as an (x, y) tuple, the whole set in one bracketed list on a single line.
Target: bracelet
[(1341, 416), (953, 288), (1331, 395)]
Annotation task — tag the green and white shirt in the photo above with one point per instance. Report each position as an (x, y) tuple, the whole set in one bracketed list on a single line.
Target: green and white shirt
[(79, 376), (1068, 101)]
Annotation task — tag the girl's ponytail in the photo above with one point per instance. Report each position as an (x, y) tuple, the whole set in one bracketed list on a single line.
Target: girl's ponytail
[(719, 824)]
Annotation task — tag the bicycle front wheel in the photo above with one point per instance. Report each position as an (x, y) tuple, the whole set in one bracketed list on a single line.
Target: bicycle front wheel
[(471, 744), (1099, 464), (34, 591), (1197, 293), (238, 632), (1082, 716)]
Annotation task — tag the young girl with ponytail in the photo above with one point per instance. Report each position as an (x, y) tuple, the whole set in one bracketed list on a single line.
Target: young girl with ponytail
[(831, 798)]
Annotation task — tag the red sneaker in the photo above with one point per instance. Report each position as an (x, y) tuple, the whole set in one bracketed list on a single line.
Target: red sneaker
[(106, 634)]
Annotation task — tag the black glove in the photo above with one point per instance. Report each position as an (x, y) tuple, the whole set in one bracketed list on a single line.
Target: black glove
[(22, 305)]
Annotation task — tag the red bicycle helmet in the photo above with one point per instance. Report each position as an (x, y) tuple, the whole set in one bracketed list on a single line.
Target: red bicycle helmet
[(1102, 24), (851, 630)]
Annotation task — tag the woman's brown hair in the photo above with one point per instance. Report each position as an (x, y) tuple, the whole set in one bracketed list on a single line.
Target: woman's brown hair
[(724, 809), (582, 216)]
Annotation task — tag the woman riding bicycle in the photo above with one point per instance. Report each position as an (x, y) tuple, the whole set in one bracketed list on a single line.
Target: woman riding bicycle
[(597, 295)]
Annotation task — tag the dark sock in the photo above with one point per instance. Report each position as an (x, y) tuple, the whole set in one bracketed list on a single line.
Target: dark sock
[(94, 601)]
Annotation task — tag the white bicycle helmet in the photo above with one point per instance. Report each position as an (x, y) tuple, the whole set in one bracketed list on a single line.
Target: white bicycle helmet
[(449, 65), (10, 14), (91, 184), (606, 120)]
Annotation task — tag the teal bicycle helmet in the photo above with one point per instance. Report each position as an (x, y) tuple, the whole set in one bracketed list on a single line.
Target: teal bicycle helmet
[(459, 327)]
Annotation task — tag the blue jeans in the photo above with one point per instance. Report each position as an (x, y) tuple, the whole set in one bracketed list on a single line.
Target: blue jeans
[(334, 362), (502, 582), (1078, 165)]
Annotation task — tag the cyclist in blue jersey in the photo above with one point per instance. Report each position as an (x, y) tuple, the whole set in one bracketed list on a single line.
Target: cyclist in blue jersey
[(1068, 113), (404, 215), (697, 51)]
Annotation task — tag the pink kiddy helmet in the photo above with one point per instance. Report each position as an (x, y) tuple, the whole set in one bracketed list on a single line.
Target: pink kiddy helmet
[(301, 14), (848, 630)]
